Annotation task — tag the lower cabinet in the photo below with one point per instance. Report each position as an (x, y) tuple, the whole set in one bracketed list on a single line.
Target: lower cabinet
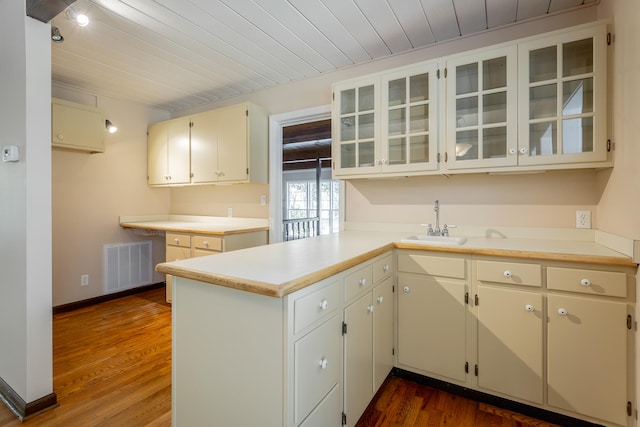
[(555, 335), (181, 246), (432, 315)]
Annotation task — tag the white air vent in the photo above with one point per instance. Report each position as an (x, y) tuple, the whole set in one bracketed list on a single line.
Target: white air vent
[(127, 265)]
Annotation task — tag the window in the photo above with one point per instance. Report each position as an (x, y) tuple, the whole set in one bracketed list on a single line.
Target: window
[(302, 202)]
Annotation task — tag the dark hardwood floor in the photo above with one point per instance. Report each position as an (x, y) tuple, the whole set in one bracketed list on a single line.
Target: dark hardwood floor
[(112, 367)]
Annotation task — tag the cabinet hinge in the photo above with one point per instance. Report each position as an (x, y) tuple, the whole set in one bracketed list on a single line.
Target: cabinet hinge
[(466, 367), (629, 408), (438, 73), (344, 328), (609, 145), (466, 297), (247, 171), (446, 157), (438, 157), (476, 370), (476, 300), (629, 322), (333, 96), (608, 39), (393, 289), (344, 419), (246, 112), (190, 124), (445, 72), (393, 351)]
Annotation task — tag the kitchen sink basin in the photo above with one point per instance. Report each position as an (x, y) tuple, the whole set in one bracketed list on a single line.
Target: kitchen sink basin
[(424, 239)]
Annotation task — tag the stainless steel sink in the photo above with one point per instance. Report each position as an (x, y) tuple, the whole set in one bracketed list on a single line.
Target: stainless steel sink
[(423, 239)]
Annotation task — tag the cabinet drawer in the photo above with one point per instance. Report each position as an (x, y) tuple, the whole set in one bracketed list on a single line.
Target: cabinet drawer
[(606, 283), (357, 281), (317, 366), (176, 253), (511, 273), (382, 269), (178, 239), (209, 243), (312, 307), (433, 265), (195, 253)]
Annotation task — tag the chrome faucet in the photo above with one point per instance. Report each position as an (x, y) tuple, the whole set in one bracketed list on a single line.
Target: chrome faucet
[(436, 231)]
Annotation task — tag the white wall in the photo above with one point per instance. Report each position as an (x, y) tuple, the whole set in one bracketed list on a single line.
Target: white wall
[(90, 192), (25, 209)]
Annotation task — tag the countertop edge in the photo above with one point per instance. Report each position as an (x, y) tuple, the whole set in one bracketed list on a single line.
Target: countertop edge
[(147, 226), (284, 289)]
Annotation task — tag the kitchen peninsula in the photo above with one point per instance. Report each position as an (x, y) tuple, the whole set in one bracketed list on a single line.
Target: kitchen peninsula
[(268, 335)]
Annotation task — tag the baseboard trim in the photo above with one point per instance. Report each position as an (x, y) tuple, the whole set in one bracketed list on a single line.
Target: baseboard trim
[(104, 298), (22, 409), (522, 408)]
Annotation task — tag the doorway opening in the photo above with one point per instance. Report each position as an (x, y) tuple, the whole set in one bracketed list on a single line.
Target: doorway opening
[(311, 199)]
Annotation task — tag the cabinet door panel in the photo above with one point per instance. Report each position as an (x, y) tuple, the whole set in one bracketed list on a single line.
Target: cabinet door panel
[(358, 358), (382, 332), (232, 143), (432, 325), (179, 151), (157, 153), (204, 148), (510, 342), (587, 357)]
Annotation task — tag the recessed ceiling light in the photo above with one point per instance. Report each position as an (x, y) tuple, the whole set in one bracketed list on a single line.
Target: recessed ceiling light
[(82, 20)]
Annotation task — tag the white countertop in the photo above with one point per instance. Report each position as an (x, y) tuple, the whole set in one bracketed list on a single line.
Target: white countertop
[(195, 224), (279, 269)]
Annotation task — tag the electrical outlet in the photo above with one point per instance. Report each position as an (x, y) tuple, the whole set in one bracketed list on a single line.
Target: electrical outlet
[(583, 219), (84, 280)]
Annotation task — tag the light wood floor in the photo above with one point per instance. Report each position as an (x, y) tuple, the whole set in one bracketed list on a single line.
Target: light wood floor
[(112, 367)]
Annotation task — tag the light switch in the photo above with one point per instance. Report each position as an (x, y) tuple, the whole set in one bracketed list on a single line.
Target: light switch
[(10, 153)]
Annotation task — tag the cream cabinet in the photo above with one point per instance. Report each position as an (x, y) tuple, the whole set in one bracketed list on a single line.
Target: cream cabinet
[(563, 98), (531, 104), (226, 145), (590, 336), (181, 246), (368, 334), (482, 109), (229, 145), (510, 328), (433, 314), (76, 127), (169, 152), (387, 123)]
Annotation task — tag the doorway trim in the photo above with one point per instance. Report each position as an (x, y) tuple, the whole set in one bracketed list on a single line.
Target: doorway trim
[(276, 123)]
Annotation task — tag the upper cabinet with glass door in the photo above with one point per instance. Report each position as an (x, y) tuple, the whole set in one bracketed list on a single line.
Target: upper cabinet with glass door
[(386, 123), (355, 127), (481, 109), (562, 90)]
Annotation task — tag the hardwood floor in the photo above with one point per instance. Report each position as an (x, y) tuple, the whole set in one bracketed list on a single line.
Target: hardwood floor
[(112, 367), (400, 402)]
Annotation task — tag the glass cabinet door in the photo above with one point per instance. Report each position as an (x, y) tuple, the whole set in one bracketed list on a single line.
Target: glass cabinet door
[(409, 120), (354, 126), (481, 109), (562, 92)]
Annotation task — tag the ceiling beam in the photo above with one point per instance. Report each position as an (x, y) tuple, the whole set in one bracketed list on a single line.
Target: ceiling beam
[(46, 10)]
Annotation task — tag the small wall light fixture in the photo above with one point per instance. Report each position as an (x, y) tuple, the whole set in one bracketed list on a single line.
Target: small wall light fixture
[(80, 18), (56, 36), (110, 126)]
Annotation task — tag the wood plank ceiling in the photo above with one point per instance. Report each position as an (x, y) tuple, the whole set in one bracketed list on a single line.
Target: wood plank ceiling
[(178, 54)]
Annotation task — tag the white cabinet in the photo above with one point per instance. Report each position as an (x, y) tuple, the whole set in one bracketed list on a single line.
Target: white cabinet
[(76, 127), (181, 246), (226, 145), (531, 104), (368, 334), (563, 98), (169, 152), (510, 324), (481, 109), (387, 123), (229, 145), (588, 343), (433, 314)]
